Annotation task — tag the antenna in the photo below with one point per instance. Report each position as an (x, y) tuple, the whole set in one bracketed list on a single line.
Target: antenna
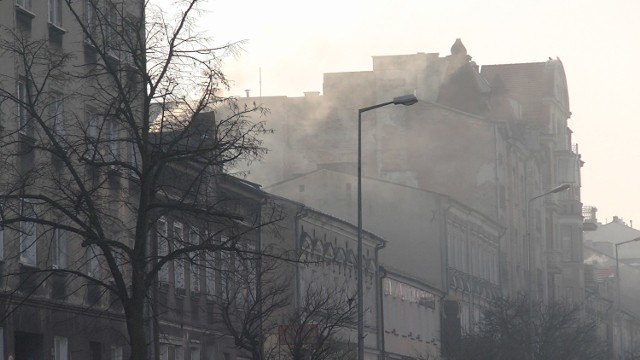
[(260, 80)]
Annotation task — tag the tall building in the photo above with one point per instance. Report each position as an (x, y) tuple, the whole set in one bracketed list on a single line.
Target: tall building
[(493, 137), (51, 307)]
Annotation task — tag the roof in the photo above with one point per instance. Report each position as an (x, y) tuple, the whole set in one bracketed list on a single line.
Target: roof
[(391, 183), (616, 232), (527, 82), (327, 215)]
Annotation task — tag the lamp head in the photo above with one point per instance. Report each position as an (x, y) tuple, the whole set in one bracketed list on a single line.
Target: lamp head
[(405, 100), (562, 187)]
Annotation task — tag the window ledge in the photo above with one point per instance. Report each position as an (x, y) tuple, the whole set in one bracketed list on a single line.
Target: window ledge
[(24, 11), (57, 28), (89, 44), (28, 267)]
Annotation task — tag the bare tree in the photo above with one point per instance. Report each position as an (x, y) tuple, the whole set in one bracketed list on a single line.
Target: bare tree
[(259, 312), (320, 327), (508, 330), (111, 140), (250, 297)]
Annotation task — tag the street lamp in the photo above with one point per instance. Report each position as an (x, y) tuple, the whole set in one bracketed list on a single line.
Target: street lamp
[(621, 355), (400, 100), (556, 189)]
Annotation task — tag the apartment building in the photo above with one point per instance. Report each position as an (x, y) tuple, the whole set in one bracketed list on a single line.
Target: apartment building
[(493, 137), (436, 247), (53, 306), (89, 180), (322, 277)]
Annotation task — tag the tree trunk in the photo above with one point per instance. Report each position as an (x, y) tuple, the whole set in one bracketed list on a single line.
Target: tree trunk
[(137, 331), (136, 325)]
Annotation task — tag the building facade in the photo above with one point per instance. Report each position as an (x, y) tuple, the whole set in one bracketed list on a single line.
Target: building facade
[(611, 274), (437, 248), (323, 276), (492, 137), (79, 249), (52, 305)]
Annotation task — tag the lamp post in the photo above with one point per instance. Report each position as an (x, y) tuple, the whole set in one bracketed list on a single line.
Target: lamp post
[(400, 100), (621, 354), (557, 189)]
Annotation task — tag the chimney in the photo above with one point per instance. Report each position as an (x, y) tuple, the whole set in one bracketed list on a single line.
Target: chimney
[(247, 92)]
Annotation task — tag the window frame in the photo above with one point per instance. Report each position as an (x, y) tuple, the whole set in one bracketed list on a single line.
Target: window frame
[(55, 13), (23, 101), (111, 27), (116, 352), (162, 243), (209, 273), (179, 272), (194, 264), (113, 145), (90, 19), (59, 249), (93, 262), (28, 252), (24, 4), (56, 116), (60, 348), (91, 119)]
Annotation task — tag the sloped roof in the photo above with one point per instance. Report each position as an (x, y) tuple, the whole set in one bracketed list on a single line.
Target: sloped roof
[(529, 83), (615, 233), (524, 82)]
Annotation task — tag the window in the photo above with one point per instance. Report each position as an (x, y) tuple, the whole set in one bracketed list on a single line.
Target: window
[(163, 248), (194, 353), (210, 274), (55, 12), (178, 265), (60, 348), (23, 101), (56, 114), (111, 27), (91, 132), (194, 266), (93, 263), (225, 266), (116, 352), (164, 352), (179, 353), (25, 4), (91, 119), (133, 156), (28, 248), (90, 16), (59, 249), (112, 139), (252, 272)]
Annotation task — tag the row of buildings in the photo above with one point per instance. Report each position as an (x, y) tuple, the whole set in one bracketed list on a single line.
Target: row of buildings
[(456, 203), (462, 185)]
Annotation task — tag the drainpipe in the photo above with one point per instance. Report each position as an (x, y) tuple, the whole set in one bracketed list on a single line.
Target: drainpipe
[(381, 336), (261, 205), (296, 226)]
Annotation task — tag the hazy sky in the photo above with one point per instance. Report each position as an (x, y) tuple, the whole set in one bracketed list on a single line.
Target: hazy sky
[(295, 42)]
